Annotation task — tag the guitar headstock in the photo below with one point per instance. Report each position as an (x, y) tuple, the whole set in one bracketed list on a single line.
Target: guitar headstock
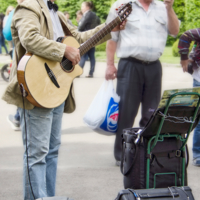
[(124, 10)]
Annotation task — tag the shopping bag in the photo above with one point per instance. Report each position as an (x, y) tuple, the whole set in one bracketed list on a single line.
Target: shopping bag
[(102, 115), (7, 29)]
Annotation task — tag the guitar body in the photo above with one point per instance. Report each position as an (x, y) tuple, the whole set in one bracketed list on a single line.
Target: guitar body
[(46, 82)]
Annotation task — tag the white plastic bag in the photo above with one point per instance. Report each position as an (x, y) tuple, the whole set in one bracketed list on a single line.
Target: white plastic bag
[(102, 115)]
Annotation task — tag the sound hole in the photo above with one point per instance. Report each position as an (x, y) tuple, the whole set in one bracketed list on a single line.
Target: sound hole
[(67, 65)]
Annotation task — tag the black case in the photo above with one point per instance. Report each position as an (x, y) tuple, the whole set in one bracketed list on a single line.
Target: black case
[(178, 193), (165, 158)]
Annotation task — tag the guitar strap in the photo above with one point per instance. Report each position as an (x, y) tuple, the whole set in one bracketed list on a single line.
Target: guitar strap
[(65, 28)]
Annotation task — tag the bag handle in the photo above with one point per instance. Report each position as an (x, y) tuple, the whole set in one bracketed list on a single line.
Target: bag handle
[(154, 195), (182, 189), (136, 153)]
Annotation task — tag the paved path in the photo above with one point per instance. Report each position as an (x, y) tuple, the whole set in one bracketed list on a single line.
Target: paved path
[(86, 167)]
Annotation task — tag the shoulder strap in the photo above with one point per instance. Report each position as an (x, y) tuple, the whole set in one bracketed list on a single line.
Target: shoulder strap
[(65, 28)]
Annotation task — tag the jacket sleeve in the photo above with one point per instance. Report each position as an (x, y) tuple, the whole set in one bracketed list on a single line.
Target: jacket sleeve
[(185, 41)]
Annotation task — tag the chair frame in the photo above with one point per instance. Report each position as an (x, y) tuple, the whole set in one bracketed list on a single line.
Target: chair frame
[(160, 137)]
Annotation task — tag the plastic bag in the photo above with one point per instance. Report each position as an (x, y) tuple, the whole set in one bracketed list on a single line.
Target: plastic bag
[(102, 115), (7, 29)]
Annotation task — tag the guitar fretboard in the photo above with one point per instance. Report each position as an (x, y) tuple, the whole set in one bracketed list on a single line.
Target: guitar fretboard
[(98, 36)]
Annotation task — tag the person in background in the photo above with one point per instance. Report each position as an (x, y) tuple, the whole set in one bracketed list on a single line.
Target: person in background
[(79, 15), (8, 10), (184, 44), (68, 16), (89, 21), (14, 120), (139, 74), (2, 39)]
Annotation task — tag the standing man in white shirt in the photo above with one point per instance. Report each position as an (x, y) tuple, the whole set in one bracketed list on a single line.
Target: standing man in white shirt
[(36, 25), (139, 73)]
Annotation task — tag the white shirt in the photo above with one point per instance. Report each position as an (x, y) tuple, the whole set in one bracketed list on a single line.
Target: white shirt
[(57, 28), (196, 74), (146, 32)]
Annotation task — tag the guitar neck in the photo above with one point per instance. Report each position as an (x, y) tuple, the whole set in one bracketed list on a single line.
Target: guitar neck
[(98, 36)]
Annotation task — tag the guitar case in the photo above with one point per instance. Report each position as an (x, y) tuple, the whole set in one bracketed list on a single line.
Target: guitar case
[(178, 193)]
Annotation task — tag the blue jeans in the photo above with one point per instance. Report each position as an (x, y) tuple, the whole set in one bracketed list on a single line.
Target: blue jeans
[(91, 55), (2, 44), (44, 138), (196, 137)]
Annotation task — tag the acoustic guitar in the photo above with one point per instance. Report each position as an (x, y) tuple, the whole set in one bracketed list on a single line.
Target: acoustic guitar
[(47, 83)]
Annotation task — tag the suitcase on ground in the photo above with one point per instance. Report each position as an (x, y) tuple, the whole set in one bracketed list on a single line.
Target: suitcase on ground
[(177, 193)]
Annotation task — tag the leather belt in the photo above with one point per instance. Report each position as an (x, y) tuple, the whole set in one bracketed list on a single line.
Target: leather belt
[(140, 61)]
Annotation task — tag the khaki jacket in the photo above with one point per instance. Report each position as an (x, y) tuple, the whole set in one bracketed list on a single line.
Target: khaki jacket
[(32, 32)]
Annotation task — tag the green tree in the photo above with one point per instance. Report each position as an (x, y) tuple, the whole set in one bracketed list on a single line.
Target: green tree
[(72, 6), (5, 3), (192, 14)]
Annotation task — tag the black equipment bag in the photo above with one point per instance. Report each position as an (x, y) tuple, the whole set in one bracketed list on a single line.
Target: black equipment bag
[(178, 193), (165, 162)]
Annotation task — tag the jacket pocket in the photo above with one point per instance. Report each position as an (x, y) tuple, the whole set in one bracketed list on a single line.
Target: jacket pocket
[(160, 24)]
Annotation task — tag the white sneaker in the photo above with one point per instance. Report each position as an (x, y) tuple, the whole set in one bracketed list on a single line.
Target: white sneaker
[(196, 162), (15, 125)]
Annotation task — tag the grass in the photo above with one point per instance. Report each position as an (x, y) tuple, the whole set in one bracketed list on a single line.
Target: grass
[(167, 56)]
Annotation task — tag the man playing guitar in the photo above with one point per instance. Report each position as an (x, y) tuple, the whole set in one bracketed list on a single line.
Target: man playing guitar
[(35, 28)]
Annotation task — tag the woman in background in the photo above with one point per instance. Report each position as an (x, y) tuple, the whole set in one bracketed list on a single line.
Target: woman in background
[(88, 21), (8, 10)]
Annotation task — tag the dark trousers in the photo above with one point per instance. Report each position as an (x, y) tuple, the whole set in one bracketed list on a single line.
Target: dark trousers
[(91, 55), (2, 44), (136, 83)]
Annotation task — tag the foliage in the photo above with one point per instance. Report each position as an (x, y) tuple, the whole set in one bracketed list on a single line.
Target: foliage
[(192, 14), (180, 10), (101, 47), (5, 3), (175, 50), (73, 6)]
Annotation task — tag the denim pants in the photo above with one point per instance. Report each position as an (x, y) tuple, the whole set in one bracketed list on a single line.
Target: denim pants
[(43, 141), (91, 55), (2, 44), (196, 137)]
